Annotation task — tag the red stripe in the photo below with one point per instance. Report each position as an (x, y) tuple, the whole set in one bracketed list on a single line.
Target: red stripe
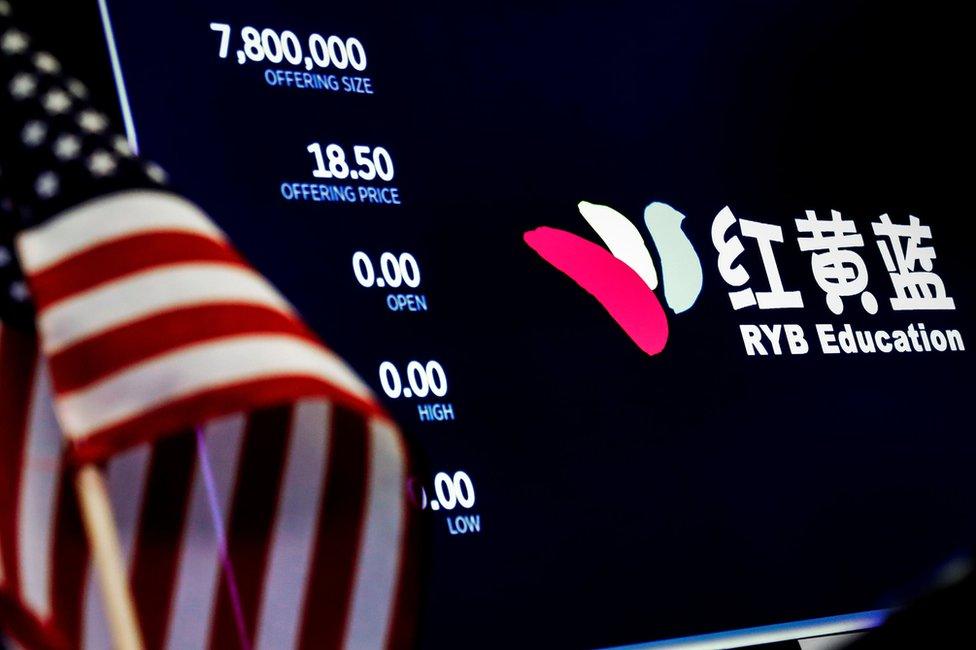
[(69, 566), (209, 404), (113, 260), (161, 524), (340, 533), (18, 357), (114, 350), (251, 521)]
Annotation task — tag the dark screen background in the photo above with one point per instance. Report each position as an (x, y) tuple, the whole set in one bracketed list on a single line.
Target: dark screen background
[(623, 497)]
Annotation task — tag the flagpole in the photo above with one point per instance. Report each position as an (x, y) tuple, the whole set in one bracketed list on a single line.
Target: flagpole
[(103, 537)]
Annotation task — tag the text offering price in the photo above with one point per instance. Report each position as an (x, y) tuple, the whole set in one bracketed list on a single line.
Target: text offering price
[(418, 381), (325, 63), (392, 272), (357, 174), (453, 493)]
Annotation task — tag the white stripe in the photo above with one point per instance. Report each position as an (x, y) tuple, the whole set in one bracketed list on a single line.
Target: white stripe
[(151, 292), (106, 219), (294, 533), (378, 568), (127, 474), (39, 482), (191, 614), (194, 369)]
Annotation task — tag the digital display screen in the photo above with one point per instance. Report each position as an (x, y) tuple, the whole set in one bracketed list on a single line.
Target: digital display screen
[(671, 300)]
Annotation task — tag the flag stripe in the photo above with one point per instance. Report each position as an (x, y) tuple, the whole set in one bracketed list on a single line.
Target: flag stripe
[(296, 523), (38, 497), (70, 566), (198, 368), (116, 259), (251, 519), (100, 356), (126, 486), (378, 566), (339, 535), (18, 361), (152, 576), (196, 581), (151, 292), (105, 219), (210, 403)]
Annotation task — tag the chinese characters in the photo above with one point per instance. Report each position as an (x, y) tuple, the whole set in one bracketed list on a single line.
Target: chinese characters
[(836, 262)]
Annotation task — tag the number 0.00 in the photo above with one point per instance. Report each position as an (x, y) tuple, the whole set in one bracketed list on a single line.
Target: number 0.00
[(424, 379), (395, 270)]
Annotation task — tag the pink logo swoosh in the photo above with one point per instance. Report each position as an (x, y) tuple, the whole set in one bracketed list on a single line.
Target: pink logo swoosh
[(617, 287)]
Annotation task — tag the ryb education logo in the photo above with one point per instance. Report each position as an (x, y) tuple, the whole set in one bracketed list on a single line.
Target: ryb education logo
[(624, 278)]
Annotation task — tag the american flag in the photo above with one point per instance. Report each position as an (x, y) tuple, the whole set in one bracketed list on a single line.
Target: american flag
[(257, 486)]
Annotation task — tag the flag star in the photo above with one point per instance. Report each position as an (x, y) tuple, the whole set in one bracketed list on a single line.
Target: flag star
[(92, 121), (23, 86), (121, 146), (18, 291), (156, 173), (56, 102), (34, 133), (14, 41), (67, 147), (77, 89), (47, 185), (101, 163), (46, 62)]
